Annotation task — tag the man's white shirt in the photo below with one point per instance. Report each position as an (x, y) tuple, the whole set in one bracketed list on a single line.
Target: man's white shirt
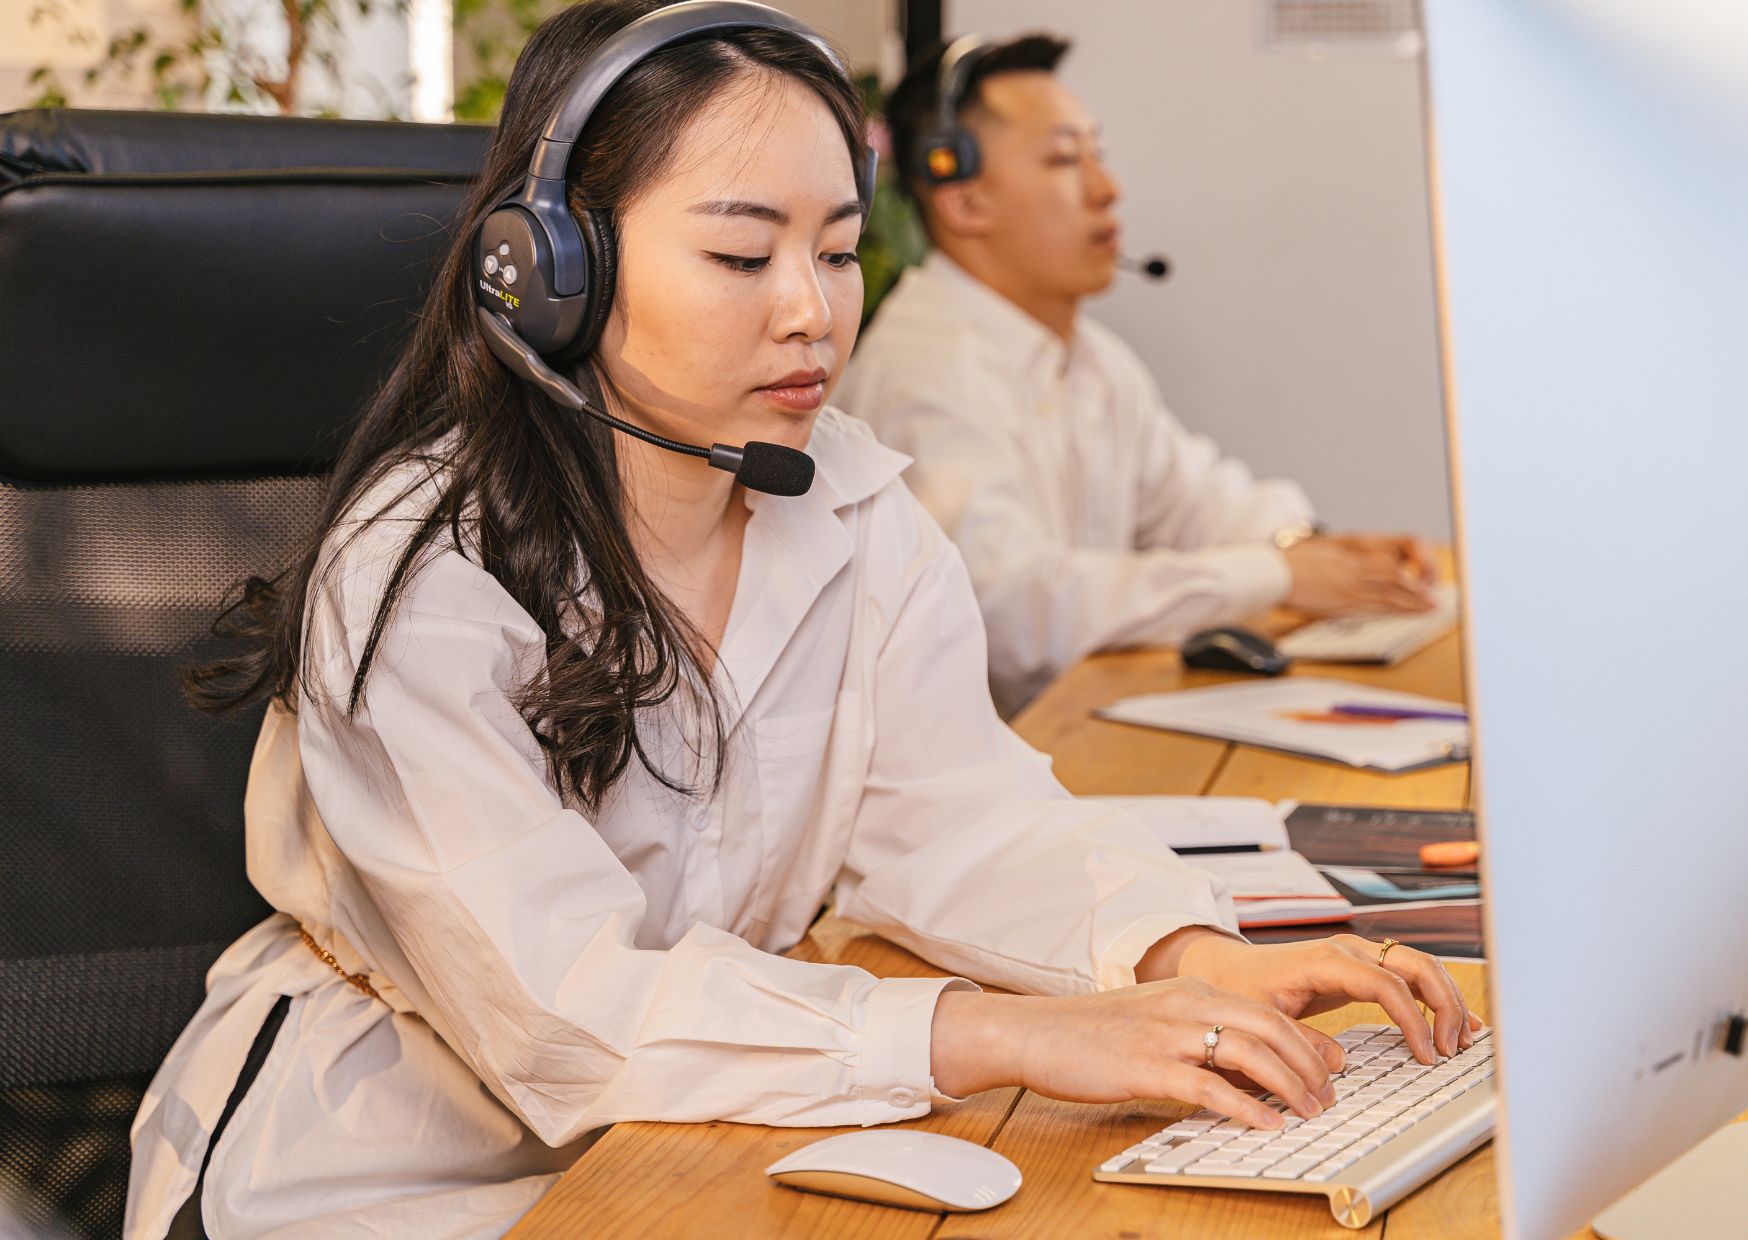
[(1090, 518)]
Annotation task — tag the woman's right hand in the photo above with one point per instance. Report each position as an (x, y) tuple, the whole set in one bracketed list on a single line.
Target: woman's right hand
[(1134, 1042)]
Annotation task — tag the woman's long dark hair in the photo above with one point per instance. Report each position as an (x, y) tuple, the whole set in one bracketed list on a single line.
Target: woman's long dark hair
[(535, 486)]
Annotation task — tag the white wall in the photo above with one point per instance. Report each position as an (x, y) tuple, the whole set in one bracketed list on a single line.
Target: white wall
[(865, 31), (1290, 193), (73, 44)]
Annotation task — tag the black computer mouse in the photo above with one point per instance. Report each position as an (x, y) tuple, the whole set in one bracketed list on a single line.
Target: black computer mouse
[(1230, 649)]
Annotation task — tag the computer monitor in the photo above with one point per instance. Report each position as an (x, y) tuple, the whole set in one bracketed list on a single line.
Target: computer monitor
[(1591, 188)]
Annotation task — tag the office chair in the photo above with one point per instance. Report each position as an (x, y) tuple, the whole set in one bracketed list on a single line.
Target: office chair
[(192, 310)]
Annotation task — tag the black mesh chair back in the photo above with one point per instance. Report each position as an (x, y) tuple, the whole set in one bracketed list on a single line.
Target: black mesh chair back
[(192, 310)]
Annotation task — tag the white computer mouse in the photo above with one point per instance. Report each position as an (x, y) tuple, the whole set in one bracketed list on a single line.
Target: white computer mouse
[(901, 1167)]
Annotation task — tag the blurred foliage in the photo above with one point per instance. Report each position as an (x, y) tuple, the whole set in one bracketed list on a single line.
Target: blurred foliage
[(211, 53), (492, 33)]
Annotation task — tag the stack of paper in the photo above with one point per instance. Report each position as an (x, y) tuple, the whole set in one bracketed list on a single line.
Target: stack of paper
[(1276, 888), (1286, 714), (1200, 823)]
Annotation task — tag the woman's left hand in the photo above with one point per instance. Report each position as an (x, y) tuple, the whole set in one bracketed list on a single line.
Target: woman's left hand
[(1302, 979)]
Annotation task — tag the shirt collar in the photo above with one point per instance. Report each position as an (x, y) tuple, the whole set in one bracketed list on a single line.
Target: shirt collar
[(1017, 334), (849, 464), (795, 545)]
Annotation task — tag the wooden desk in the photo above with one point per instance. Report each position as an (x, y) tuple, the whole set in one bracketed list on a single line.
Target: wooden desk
[(707, 1180)]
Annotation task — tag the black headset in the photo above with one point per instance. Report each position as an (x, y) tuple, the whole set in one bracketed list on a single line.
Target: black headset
[(549, 279), (949, 152)]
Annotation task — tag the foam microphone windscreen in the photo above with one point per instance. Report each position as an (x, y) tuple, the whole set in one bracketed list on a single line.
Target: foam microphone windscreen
[(774, 469)]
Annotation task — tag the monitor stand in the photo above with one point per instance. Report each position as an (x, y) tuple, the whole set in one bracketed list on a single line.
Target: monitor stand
[(1702, 1193)]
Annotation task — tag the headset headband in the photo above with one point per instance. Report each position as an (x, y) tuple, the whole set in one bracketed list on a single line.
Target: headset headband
[(643, 38), (544, 189), (549, 275), (957, 62)]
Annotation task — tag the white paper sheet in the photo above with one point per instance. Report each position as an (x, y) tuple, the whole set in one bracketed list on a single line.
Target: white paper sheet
[(1260, 713), (1206, 822), (1275, 888)]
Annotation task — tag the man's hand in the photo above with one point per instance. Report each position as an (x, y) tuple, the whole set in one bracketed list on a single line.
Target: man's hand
[(1335, 576)]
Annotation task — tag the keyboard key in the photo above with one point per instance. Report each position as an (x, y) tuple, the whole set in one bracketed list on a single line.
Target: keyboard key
[(1222, 1156), (1247, 1171), (1111, 1165), (1291, 1168), (1174, 1161), (1269, 1155), (1321, 1174), (1206, 1168)]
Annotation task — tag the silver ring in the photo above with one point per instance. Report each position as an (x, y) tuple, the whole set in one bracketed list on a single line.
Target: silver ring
[(1211, 1040)]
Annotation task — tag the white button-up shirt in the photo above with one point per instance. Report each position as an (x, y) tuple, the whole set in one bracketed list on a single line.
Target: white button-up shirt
[(1088, 516), (543, 972)]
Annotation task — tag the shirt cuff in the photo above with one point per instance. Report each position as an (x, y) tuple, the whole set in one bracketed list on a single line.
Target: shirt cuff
[(1257, 576), (893, 1077), (1116, 968)]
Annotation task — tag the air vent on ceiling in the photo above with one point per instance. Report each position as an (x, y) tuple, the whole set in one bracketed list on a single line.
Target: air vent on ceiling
[(1338, 27)]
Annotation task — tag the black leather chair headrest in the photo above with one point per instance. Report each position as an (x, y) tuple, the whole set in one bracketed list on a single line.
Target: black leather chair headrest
[(110, 143), (198, 295)]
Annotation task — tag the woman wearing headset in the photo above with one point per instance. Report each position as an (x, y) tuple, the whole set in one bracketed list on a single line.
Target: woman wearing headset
[(570, 735)]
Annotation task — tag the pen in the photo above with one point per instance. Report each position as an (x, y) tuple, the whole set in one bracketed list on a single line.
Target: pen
[(1419, 871), (1360, 710)]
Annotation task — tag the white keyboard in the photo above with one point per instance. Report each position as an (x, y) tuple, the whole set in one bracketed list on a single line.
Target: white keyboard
[(1396, 1124), (1387, 637)]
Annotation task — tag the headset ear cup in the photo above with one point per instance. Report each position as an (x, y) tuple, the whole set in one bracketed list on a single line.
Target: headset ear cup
[(950, 155), (603, 248)]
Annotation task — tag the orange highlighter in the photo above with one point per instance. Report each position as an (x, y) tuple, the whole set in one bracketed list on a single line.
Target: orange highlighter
[(1450, 853)]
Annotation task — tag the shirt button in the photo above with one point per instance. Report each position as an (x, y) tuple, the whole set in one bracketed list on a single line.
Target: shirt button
[(902, 1097)]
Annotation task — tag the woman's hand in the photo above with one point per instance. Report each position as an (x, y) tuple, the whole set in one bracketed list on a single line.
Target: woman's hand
[(1301, 979), (1141, 1041)]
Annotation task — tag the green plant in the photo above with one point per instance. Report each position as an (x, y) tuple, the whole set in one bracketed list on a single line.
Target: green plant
[(492, 33), (211, 52)]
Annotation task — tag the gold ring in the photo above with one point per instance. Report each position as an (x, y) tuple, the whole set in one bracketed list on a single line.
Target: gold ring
[(1385, 950), (1211, 1039)]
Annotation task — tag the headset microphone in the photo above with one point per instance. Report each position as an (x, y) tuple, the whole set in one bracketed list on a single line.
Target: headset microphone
[(757, 466), (1154, 266)]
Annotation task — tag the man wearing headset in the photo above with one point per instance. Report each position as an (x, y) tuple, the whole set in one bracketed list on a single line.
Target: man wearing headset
[(1089, 516)]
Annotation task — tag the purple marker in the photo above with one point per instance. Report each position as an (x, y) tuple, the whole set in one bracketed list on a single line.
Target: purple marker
[(1361, 711)]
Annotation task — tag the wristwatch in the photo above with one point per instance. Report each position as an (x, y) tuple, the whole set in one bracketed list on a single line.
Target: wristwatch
[(1296, 533)]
